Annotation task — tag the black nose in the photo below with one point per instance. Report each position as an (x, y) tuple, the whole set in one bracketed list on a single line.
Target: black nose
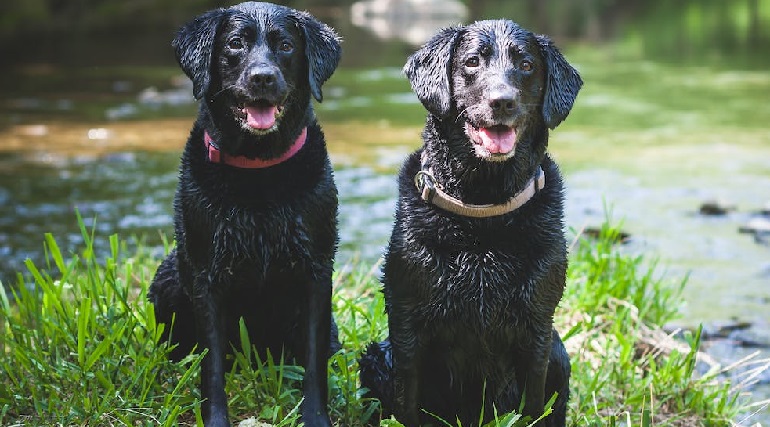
[(263, 77), (502, 102)]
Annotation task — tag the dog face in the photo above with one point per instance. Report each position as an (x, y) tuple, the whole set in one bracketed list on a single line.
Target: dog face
[(498, 77), (501, 81), (255, 62)]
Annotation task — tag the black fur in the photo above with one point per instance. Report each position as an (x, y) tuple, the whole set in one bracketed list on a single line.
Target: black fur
[(471, 301), (256, 244)]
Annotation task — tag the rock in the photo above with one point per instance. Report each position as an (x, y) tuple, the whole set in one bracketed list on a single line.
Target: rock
[(762, 238), (710, 331), (715, 208), (765, 211), (252, 422), (726, 329), (759, 226), (596, 232)]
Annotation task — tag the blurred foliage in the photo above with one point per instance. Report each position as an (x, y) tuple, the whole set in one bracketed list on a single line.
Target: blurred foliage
[(659, 28), (594, 19)]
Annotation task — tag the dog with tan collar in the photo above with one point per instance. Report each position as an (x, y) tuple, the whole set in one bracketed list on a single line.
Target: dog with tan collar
[(477, 259)]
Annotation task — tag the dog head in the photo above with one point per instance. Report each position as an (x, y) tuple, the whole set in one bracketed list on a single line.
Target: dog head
[(254, 62), (501, 81)]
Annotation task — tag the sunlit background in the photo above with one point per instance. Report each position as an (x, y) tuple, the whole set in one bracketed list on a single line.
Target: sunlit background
[(673, 120)]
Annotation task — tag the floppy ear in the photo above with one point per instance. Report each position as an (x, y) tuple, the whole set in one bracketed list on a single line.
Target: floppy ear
[(429, 69), (322, 48), (194, 45), (562, 84)]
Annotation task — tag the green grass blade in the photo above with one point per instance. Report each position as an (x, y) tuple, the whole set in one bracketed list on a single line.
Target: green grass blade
[(54, 252), (84, 315)]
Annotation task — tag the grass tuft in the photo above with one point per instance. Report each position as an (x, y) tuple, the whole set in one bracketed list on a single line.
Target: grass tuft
[(624, 367), (80, 346)]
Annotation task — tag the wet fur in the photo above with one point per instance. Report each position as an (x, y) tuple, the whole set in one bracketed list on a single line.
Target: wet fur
[(471, 301), (256, 244)]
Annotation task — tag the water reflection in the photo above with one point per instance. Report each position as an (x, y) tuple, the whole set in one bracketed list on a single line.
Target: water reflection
[(126, 193), (412, 21), (131, 193)]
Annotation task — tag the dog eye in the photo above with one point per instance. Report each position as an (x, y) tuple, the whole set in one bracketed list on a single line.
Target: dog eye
[(526, 65), (235, 43), (472, 62), (286, 47)]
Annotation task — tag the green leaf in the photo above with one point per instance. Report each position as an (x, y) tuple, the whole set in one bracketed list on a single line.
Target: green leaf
[(83, 322)]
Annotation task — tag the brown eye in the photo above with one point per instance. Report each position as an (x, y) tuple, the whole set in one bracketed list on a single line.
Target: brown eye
[(286, 47), (526, 66), (235, 43), (472, 62)]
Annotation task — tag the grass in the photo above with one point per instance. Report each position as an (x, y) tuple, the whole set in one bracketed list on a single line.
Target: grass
[(80, 347)]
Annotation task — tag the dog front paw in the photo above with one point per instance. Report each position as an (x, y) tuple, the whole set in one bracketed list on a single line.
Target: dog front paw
[(407, 415), (216, 420), (313, 418)]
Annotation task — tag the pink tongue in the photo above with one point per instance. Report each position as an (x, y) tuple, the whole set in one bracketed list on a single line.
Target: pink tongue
[(499, 140), (261, 117)]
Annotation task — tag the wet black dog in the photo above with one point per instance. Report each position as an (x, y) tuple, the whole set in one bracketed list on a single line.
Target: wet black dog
[(255, 211), (477, 259)]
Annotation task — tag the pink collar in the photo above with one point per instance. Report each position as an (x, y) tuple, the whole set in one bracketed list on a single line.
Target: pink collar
[(215, 156)]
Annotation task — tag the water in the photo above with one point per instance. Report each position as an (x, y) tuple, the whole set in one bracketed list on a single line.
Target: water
[(650, 139), (652, 152)]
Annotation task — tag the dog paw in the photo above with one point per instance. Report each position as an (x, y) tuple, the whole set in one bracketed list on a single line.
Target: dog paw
[(216, 421), (316, 420)]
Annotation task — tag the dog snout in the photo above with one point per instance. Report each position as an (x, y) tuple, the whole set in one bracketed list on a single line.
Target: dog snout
[(263, 77), (503, 101), (264, 81)]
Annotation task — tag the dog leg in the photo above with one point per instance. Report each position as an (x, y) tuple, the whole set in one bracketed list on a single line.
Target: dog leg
[(535, 370), (558, 382), (407, 388), (210, 328), (376, 374), (406, 360), (318, 326)]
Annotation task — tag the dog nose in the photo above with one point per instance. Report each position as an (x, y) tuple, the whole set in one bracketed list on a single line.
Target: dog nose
[(263, 77), (502, 102)]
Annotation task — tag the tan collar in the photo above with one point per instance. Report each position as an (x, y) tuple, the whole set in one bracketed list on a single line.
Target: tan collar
[(431, 193)]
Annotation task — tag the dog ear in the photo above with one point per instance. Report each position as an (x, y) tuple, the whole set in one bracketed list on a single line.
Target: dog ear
[(562, 84), (194, 46), (429, 71), (322, 49)]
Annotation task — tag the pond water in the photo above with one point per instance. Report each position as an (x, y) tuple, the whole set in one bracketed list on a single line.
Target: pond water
[(650, 153), (649, 140)]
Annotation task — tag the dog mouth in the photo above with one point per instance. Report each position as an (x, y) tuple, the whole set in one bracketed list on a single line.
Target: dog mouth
[(496, 140), (261, 115)]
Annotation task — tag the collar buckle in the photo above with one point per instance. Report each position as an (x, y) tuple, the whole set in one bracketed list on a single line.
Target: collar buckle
[(426, 185)]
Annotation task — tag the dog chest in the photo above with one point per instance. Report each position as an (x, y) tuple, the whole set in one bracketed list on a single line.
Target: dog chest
[(483, 286), (247, 242), (467, 351)]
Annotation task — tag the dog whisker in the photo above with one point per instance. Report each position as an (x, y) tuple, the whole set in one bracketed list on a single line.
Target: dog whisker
[(461, 115), (221, 91)]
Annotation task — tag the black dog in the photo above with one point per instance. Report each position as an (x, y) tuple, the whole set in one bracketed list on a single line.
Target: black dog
[(255, 211), (477, 259)]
